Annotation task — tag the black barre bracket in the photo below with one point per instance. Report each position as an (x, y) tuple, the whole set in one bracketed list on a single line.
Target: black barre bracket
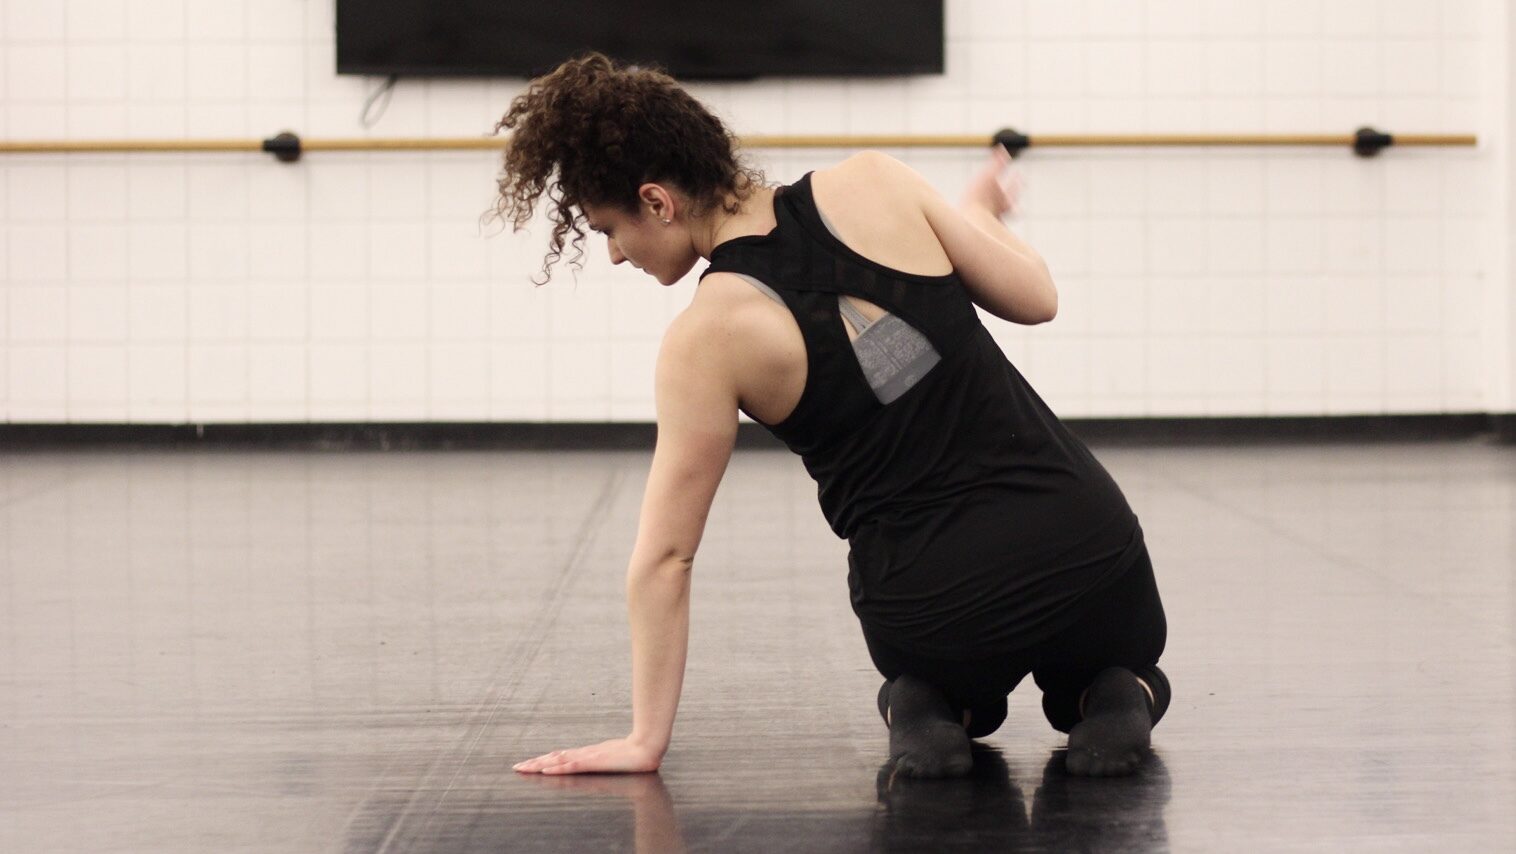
[(285, 146), (1012, 140), (1369, 142)]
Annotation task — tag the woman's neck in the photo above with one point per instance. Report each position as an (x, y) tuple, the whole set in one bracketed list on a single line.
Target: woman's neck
[(754, 216)]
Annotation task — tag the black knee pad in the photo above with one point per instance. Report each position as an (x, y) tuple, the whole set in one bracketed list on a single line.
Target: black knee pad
[(1062, 706), (1162, 693)]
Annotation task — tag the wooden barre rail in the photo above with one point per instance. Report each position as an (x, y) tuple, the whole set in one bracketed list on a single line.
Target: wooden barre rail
[(288, 147)]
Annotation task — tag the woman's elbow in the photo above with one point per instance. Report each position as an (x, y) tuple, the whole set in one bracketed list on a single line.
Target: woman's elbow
[(671, 561), (1050, 304)]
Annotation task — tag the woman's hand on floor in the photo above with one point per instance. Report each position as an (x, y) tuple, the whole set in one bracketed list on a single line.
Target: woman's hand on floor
[(618, 755)]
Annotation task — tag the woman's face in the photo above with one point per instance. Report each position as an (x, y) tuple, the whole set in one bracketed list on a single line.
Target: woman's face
[(663, 251)]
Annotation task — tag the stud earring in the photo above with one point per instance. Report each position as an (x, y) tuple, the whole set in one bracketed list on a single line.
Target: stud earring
[(667, 221)]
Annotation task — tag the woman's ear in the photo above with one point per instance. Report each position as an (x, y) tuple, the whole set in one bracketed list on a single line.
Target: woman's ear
[(659, 200)]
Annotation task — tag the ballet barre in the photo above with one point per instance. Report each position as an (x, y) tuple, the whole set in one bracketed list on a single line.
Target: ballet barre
[(288, 147)]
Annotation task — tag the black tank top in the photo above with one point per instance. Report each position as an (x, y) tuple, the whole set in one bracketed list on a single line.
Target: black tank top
[(976, 521)]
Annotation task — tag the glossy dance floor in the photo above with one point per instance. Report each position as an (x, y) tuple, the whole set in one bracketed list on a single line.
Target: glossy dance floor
[(241, 651)]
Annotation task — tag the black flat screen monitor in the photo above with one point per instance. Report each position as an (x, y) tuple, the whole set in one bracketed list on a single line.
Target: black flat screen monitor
[(691, 39)]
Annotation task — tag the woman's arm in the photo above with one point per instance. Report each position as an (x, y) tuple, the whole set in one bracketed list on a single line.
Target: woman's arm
[(1004, 275), (696, 399), (658, 605)]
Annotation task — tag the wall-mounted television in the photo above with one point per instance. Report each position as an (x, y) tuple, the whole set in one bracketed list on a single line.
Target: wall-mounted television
[(692, 39)]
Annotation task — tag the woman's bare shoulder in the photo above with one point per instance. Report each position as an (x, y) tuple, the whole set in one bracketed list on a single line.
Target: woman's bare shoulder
[(876, 169), (731, 304), (876, 204), (870, 182)]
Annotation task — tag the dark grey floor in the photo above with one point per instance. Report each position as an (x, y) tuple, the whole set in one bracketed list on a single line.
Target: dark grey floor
[(219, 651)]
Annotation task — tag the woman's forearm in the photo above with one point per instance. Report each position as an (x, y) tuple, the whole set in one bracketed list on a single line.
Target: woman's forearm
[(658, 605), (981, 216)]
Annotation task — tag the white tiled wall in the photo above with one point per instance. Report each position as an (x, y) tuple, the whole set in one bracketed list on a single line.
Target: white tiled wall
[(358, 286)]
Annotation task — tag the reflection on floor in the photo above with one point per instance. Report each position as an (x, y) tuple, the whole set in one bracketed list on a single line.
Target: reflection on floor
[(347, 651)]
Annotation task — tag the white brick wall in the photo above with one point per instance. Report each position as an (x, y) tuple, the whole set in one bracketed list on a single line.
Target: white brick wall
[(357, 286)]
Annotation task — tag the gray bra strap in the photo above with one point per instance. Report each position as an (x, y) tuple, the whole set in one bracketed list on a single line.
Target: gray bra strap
[(852, 313), (826, 222), (772, 294), (849, 311)]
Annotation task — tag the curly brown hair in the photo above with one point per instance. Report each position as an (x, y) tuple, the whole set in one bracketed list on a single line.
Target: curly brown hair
[(606, 129)]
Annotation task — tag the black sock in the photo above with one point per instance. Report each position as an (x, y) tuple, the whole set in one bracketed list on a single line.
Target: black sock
[(1115, 731), (926, 738)]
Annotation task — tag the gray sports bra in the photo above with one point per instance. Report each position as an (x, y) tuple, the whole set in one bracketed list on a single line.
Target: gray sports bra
[(891, 352)]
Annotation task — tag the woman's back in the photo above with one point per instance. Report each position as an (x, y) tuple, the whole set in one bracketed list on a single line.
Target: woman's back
[(975, 517)]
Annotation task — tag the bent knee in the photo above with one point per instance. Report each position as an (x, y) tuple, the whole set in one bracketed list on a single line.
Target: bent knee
[(985, 719)]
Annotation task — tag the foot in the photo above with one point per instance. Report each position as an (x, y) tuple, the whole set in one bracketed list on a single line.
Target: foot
[(1114, 734), (926, 738)]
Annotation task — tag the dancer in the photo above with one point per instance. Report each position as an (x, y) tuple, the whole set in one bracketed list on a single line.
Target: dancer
[(986, 541)]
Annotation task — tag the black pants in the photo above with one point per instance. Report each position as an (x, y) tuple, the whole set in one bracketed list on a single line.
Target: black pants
[(1121, 625)]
